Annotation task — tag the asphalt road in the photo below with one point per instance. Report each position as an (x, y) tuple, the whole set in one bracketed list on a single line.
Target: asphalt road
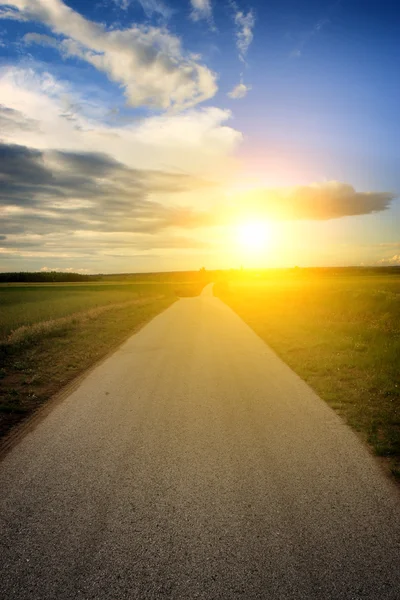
[(191, 464)]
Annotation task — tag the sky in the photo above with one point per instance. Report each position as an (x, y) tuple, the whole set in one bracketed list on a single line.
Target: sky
[(160, 135)]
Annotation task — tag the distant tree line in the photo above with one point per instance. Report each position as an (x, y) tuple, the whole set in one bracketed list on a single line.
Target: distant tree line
[(44, 277), (190, 276)]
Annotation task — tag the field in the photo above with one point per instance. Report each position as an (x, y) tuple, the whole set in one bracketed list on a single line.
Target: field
[(51, 333), (341, 333), (339, 330)]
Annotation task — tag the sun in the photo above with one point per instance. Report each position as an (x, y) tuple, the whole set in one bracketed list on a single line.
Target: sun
[(254, 236)]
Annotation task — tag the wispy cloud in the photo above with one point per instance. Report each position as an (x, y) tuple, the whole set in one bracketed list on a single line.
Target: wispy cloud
[(314, 30), (318, 202), (12, 120), (63, 270), (124, 4), (150, 7), (41, 39), (90, 243), (201, 9), (244, 31), (11, 12), (148, 62), (307, 37), (244, 23), (239, 91)]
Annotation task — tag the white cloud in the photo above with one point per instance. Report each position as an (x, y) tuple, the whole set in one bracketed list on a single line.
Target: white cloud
[(63, 270), (244, 34), (239, 91), (148, 62), (197, 141), (201, 9), (391, 261)]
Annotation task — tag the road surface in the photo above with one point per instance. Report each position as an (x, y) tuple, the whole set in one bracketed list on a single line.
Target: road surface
[(190, 464)]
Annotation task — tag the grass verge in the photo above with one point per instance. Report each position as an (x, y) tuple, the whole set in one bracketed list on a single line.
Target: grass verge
[(341, 334)]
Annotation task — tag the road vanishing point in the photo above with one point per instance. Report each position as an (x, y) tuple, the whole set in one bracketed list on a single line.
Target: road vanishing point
[(193, 463)]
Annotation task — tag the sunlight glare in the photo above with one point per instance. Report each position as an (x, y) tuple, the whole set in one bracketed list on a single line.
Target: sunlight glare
[(254, 236)]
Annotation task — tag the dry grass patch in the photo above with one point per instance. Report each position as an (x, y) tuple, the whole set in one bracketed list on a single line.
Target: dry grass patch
[(27, 334)]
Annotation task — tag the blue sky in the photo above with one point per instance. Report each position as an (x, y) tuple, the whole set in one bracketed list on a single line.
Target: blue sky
[(143, 134)]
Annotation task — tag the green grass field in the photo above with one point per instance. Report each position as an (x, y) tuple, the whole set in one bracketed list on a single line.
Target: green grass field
[(51, 333), (341, 333), (22, 305)]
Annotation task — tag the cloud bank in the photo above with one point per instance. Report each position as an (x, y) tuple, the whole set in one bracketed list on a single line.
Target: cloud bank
[(48, 191), (73, 206), (115, 190), (148, 62)]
